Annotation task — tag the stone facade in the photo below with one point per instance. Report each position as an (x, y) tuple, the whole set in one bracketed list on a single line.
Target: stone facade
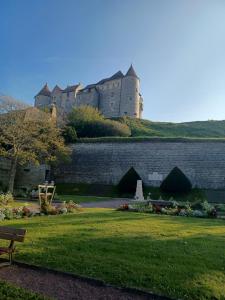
[(116, 96), (203, 162), (27, 177)]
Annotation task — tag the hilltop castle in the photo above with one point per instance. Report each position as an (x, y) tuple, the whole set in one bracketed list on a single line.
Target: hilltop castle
[(116, 96)]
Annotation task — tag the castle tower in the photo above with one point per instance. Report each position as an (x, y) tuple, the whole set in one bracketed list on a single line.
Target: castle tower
[(56, 96), (131, 101), (43, 98)]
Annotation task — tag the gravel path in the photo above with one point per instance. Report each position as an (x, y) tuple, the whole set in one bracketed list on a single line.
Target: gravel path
[(57, 285), (112, 203)]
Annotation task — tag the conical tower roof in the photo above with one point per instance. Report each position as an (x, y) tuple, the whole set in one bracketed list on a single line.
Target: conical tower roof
[(56, 89), (45, 91), (131, 72)]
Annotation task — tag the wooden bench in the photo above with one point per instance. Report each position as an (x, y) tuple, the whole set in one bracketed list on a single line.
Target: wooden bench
[(12, 235)]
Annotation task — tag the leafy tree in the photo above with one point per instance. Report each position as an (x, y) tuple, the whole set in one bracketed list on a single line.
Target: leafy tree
[(176, 182), (128, 182), (29, 136)]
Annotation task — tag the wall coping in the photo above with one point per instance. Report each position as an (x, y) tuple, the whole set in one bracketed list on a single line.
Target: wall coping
[(149, 139)]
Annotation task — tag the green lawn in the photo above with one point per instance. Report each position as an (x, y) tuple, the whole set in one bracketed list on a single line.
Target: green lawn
[(180, 257)]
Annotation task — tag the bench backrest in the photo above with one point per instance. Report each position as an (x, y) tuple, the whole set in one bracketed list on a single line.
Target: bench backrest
[(12, 234)]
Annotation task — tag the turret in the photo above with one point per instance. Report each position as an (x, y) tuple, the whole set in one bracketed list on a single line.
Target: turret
[(130, 95), (43, 98)]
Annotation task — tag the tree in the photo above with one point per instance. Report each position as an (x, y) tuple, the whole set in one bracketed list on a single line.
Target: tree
[(8, 104), (176, 182), (29, 136)]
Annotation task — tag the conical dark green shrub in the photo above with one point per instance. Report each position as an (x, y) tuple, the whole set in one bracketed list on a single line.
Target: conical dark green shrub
[(128, 182), (176, 182)]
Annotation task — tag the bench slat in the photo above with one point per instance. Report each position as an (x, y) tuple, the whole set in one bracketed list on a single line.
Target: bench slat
[(8, 233), (12, 230)]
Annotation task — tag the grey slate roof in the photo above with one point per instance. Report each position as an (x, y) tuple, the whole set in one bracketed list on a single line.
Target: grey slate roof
[(56, 88), (131, 72), (117, 75), (45, 91), (71, 88)]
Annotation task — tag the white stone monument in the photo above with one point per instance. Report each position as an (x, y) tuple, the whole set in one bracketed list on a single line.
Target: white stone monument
[(139, 191)]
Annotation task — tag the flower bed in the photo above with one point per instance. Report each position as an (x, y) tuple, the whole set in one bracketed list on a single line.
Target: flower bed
[(9, 213), (199, 209)]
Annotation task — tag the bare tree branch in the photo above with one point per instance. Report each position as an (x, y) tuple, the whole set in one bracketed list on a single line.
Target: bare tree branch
[(8, 104)]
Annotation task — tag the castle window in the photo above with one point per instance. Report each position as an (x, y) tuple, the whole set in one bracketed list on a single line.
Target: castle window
[(112, 94), (26, 170), (130, 98), (125, 112)]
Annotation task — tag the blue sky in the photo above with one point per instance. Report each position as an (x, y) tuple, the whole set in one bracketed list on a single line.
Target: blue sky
[(176, 46)]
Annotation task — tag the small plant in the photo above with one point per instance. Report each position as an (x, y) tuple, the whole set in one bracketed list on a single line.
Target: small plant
[(26, 211), (157, 209), (6, 198), (206, 206), (124, 207), (183, 213), (72, 206), (45, 208), (198, 213), (63, 210), (8, 213), (2, 216)]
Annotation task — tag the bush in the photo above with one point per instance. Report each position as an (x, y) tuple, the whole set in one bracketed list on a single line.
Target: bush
[(176, 182), (101, 128), (70, 135), (128, 183), (87, 121), (83, 114)]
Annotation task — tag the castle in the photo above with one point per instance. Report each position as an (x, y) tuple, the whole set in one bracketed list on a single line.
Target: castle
[(116, 96)]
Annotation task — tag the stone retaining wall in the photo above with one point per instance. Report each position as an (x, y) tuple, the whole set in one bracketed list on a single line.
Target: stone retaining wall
[(203, 162)]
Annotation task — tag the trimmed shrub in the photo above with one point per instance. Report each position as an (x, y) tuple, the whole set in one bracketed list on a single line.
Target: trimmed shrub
[(176, 182), (128, 182)]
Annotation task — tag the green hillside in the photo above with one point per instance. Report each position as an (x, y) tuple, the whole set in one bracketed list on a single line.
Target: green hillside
[(197, 129)]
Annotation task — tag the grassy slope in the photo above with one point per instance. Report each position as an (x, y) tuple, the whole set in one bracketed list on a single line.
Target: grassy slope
[(180, 257), (202, 129)]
